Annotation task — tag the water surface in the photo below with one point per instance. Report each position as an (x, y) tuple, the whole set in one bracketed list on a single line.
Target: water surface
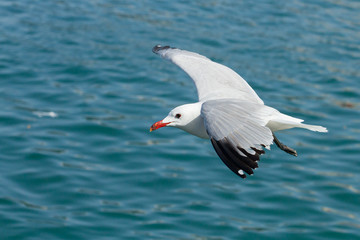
[(80, 88)]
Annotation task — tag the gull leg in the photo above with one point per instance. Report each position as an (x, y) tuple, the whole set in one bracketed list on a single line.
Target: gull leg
[(284, 147)]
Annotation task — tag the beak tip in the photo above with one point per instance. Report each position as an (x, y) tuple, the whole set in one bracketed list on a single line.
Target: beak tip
[(152, 128), (158, 125)]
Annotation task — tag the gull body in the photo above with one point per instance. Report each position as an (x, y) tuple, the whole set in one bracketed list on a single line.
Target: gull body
[(228, 112)]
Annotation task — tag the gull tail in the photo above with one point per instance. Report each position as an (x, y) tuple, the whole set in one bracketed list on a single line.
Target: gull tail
[(283, 121), (314, 128)]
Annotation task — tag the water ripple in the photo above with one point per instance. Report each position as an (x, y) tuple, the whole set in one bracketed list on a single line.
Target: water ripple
[(80, 88)]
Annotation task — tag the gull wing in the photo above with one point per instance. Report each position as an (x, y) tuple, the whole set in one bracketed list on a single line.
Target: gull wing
[(238, 132), (212, 80)]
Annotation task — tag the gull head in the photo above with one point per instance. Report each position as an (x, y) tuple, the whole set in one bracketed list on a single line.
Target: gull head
[(178, 117), (186, 117)]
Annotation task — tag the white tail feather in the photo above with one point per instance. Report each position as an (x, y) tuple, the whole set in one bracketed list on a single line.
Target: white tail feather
[(282, 121), (312, 127), (281, 125)]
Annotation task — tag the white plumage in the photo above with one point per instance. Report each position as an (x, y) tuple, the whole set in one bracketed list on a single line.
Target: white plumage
[(212, 80), (229, 112)]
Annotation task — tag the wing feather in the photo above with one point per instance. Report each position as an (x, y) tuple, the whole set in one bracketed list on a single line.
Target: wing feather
[(212, 80), (238, 132)]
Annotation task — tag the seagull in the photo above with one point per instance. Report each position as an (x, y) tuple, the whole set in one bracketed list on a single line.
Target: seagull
[(229, 113)]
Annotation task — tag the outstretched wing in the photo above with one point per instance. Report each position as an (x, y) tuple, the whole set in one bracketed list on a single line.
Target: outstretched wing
[(212, 80), (238, 132)]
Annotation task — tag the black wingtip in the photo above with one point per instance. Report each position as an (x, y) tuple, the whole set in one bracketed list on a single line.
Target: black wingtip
[(236, 158), (158, 48)]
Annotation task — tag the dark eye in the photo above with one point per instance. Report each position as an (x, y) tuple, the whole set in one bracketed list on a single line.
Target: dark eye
[(178, 115)]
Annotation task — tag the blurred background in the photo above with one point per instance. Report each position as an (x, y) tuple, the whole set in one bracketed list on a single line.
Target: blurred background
[(80, 88)]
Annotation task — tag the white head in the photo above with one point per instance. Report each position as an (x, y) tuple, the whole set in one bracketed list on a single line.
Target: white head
[(186, 117)]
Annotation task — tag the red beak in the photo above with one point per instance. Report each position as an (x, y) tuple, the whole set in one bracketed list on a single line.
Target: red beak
[(158, 125)]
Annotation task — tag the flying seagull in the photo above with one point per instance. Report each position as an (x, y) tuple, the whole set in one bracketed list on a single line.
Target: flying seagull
[(229, 113)]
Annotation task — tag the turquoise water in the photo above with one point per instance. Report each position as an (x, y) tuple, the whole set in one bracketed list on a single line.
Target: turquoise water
[(80, 88)]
